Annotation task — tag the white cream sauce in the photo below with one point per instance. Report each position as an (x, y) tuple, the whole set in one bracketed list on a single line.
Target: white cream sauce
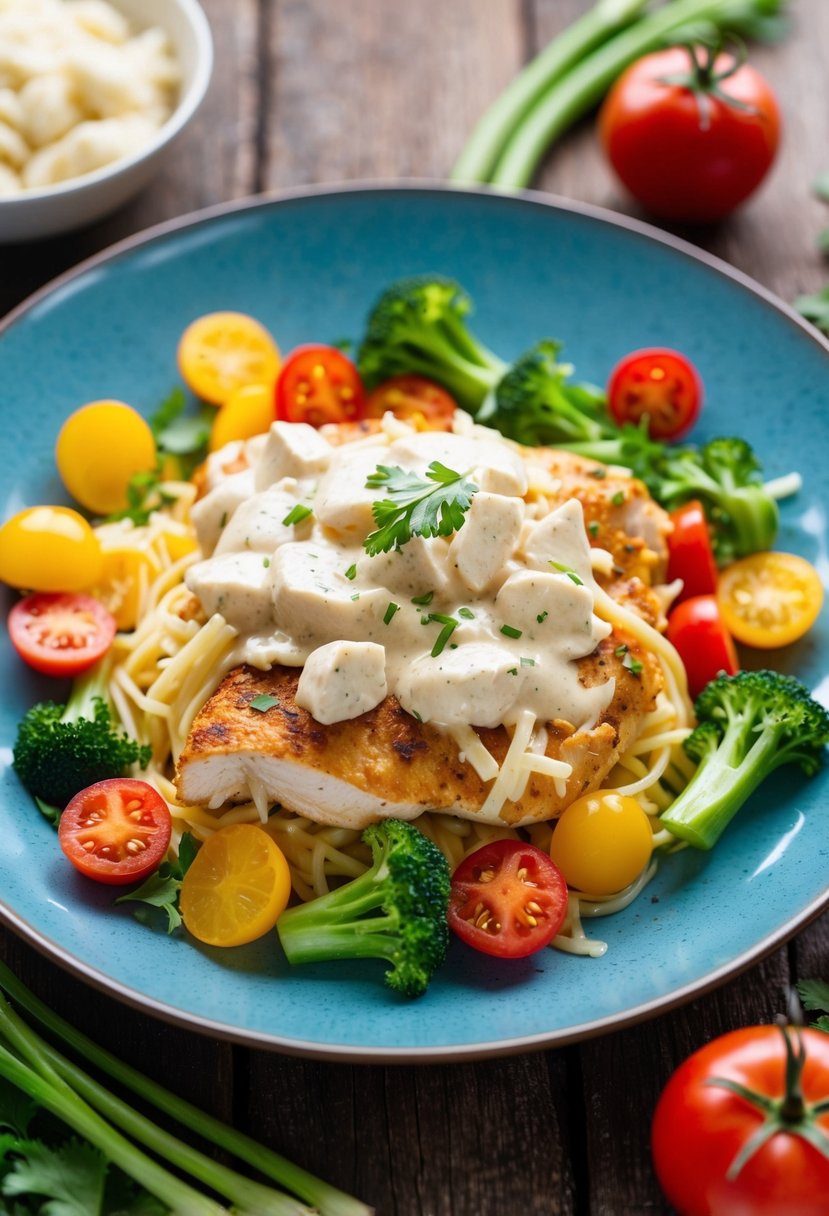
[(516, 579)]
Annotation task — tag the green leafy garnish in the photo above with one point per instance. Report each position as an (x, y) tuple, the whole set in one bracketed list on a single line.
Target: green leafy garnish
[(815, 996), (297, 514), (263, 702), (417, 507), (162, 888), (815, 308), (569, 571), (509, 631), (450, 624), (390, 611)]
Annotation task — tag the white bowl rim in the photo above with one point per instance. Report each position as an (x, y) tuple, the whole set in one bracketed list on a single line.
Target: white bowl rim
[(181, 115)]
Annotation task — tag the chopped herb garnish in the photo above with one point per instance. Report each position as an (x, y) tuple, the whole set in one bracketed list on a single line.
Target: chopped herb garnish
[(416, 715), (620, 650), (467, 614), (510, 631), (356, 595), (633, 665), (297, 514), (569, 571), (599, 474), (351, 572), (527, 662), (263, 702), (618, 498), (266, 561), (442, 638), (512, 671), (594, 528), (423, 600), (542, 616), (390, 611), (223, 520), (416, 507)]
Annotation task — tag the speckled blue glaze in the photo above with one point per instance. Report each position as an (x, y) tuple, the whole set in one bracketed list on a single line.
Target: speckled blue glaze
[(309, 267)]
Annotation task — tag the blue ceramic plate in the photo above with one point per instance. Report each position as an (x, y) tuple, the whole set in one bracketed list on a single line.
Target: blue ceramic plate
[(309, 267)]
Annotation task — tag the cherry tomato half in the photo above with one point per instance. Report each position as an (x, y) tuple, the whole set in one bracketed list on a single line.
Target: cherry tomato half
[(248, 411), (223, 351), (507, 899), (61, 634), (49, 549), (690, 556), (414, 399), (116, 831), (318, 384), (99, 450), (658, 384), (602, 842), (699, 1128), (770, 599), (697, 630), (690, 153)]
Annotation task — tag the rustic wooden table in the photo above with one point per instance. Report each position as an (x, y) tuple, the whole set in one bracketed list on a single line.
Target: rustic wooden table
[(316, 91)]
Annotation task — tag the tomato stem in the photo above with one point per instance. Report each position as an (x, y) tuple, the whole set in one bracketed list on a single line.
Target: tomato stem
[(704, 81), (791, 1113)]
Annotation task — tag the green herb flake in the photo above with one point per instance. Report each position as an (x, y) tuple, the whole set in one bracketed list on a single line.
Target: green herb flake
[(542, 616), (594, 528), (569, 571), (527, 662), (467, 614), (423, 600), (633, 665), (266, 561), (356, 595), (512, 671), (351, 572), (598, 474), (509, 631), (618, 498), (297, 514), (390, 611), (263, 702), (621, 650)]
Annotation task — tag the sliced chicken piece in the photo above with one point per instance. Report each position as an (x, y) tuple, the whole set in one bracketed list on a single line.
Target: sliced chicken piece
[(384, 763)]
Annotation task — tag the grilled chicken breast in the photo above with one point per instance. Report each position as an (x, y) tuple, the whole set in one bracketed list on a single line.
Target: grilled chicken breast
[(386, 763)]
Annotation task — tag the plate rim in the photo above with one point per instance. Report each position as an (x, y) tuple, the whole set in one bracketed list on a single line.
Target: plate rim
[(636, 1014)]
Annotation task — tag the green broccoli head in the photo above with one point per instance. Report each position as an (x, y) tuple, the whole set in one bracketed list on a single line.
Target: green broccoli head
[(55, 757), (395, 911), (749, 725), (534, 404), (418, 326)]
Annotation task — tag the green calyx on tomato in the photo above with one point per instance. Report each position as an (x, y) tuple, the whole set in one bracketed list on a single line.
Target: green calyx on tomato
[(791, 1113), (709, 67)]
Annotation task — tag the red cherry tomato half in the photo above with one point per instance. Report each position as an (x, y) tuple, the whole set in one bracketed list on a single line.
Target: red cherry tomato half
[(318, 384), (690, 556), (690, 153), (116, 831), (696, 629), (414, 399), (61, 634), (699, 1128), (658, 384), (507, 899)]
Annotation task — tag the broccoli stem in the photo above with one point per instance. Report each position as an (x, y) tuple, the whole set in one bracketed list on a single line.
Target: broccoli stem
[(566, 99), (481, 152), (722, 783), (329, 1200), (85, 688), (331, 926)]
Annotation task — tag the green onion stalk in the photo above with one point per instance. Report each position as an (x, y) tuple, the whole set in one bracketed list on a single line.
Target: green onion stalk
[(53, 1081)]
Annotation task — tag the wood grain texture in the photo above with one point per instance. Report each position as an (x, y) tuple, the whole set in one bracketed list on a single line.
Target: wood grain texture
[(310, 91)]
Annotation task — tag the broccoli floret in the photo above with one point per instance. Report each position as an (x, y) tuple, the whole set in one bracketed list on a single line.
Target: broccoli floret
[(395, 911), (418, 326), (749, 725), (725, 476), (61, 749), (534, 404)]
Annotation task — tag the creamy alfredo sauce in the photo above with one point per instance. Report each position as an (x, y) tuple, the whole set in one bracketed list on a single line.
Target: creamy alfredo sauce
[(516, 578)]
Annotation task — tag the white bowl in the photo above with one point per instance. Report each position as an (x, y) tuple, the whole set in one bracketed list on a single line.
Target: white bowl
[(71, 204)]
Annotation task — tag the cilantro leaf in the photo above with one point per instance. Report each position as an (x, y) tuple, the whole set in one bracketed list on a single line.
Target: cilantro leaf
[(815, 308), (161, 889), (17, 1110), (417, 507), (71, 1176), (814, 994)]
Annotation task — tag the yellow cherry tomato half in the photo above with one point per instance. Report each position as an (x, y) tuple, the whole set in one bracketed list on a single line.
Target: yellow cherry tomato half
[(223, 351), (602, 842), (126, 573), (248, 411), (49, 549), (99, 450), (769, 599), (236, 887)]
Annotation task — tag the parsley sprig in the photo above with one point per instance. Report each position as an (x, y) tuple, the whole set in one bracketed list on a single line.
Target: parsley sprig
[(414, 506)]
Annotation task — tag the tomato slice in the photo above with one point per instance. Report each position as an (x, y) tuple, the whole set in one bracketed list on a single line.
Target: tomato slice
[(61, 634), (690, 556), (770, 599), (318, 384), (697, 630), (414, 399), (507, 899), (658, 384), (116, 831), (223, 351), (236, 888)]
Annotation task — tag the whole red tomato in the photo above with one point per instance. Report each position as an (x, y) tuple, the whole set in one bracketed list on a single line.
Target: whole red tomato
[(690, 135), (701, 1129)]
